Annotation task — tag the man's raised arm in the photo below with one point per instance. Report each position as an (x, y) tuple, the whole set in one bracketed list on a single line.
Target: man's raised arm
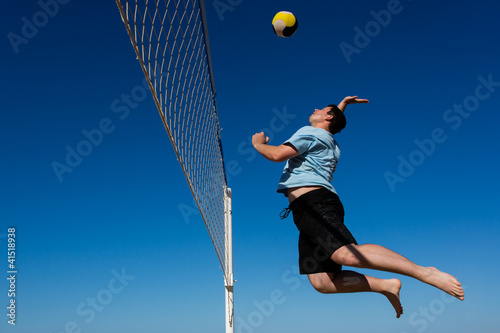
[(350, 100)]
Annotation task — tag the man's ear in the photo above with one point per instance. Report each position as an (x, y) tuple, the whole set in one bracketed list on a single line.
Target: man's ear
[(329, 117)]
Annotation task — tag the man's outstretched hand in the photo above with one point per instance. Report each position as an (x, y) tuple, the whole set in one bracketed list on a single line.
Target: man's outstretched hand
[(350, 100)]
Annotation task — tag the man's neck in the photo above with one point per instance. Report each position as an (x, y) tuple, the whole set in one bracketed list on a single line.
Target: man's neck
[(321, 125)]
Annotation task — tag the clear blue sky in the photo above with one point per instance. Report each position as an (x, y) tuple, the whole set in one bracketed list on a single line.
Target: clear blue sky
[(418, 172)]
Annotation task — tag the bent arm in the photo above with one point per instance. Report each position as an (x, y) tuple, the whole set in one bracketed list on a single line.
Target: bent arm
[(279, 153)]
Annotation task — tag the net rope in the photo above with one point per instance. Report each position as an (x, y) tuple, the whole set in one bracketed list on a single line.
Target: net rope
[(171, 44)]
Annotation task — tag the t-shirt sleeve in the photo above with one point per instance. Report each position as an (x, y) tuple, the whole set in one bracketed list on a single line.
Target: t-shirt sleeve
[(301, 140)]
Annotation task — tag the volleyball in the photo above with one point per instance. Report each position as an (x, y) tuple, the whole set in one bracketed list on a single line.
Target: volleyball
[(285, 24)]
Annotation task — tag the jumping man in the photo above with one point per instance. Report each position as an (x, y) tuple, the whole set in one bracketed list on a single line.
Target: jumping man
[(325, 244)]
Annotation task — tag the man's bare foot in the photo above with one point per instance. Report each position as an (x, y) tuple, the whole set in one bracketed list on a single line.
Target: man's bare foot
[(392, 294), (445, 282)]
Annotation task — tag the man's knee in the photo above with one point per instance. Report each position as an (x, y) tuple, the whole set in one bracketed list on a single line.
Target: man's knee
[(348, 255), (321, 282)]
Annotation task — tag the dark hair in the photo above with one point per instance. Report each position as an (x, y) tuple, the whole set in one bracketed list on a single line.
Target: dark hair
[(338, 122)]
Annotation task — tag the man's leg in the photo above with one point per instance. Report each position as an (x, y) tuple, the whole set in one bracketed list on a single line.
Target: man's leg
[(352, 282), (378, 257)]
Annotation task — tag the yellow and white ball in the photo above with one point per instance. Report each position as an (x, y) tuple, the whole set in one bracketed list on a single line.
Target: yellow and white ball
[(285, 24)]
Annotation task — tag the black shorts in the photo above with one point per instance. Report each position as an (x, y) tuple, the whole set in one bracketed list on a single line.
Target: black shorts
[(319, 216)]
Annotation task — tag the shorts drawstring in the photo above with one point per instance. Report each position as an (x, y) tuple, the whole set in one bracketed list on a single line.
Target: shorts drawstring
[(285, 212)]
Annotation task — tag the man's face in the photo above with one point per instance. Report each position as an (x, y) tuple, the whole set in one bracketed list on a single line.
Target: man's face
[(319, 115)]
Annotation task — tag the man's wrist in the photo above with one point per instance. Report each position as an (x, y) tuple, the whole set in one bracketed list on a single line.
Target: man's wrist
[(342, 105), (255, 145)]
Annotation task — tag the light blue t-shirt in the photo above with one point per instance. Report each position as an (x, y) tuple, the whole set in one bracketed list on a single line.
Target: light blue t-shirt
[(316, 162)]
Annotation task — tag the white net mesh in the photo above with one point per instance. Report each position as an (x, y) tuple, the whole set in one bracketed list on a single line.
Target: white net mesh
[(170, 40)]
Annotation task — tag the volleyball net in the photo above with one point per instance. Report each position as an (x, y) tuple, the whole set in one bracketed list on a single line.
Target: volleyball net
[(170, 40)]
